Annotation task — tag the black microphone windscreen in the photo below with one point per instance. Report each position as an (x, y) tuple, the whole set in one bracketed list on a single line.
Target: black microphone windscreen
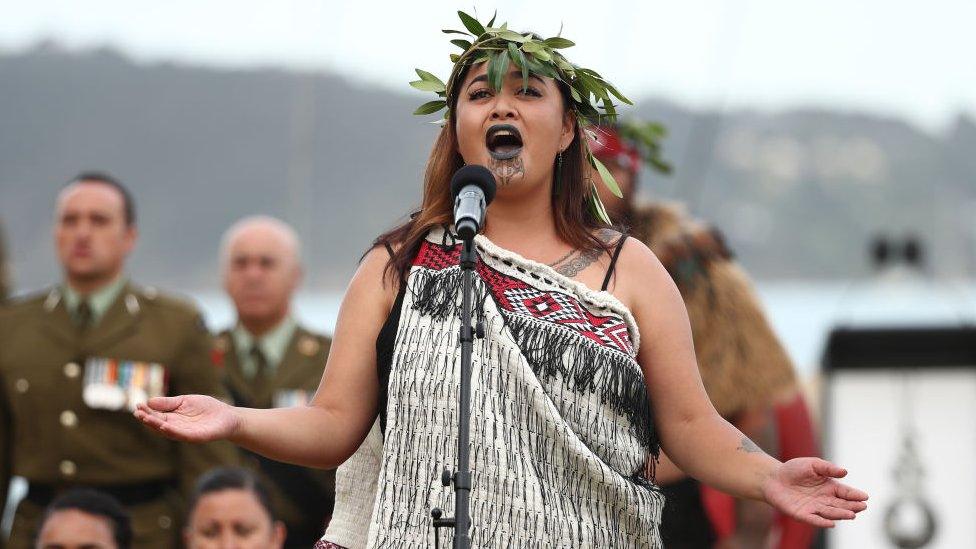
[(474, 174)]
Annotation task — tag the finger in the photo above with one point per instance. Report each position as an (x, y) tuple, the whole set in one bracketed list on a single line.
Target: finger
[(827, 469), (150, 418), (856, 506), (165, 404), (816, 520), (835, 513), (849, 493)]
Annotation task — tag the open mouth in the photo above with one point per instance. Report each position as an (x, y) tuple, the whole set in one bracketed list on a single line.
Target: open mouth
[(504, 141)]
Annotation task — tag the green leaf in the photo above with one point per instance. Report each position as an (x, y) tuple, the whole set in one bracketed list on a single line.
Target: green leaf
[(463, 44), (542, 55), (430, 107), (471, 24), (519, 59), (491, 23), (452, 31), (616, 93), (607, 177), (530, 46), (660, 165), (594, 86), (592, 73), (575, 94), (511, 36), (497, 66), (596, 205), (455, 58), (429, 77), (558, 43), (563, 64), (501, 58), (535, 67), (428, 86), (491, 70)]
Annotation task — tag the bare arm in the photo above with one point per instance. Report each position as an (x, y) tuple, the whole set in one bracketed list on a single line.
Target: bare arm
[(697, 439), (754, 519), (692, 433), (330, 428)]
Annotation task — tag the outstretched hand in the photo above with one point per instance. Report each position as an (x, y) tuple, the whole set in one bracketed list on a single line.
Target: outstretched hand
[(191, 418), (805, 489)]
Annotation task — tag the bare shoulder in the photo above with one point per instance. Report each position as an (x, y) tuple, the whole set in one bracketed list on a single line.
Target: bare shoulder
[(641, 279), (373, 279)]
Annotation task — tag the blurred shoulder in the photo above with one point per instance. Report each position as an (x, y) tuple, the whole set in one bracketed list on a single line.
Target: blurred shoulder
[(171, 312), (311, 343), (167, 303), (29, 304)]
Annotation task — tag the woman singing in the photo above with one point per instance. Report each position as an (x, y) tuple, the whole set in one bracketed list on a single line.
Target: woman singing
[(583, 373)]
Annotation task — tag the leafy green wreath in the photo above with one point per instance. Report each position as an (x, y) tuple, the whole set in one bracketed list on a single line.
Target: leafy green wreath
[(591, 94)]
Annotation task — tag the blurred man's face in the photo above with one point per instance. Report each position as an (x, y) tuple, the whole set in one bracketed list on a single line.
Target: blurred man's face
[(91, 234), (261, 272), (625, 180), (74, 529)]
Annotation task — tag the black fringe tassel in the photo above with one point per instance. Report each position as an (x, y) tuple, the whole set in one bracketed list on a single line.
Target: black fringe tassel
[(554, 352)]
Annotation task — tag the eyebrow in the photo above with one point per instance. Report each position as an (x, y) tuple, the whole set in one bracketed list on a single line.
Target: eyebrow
[(517, 73)]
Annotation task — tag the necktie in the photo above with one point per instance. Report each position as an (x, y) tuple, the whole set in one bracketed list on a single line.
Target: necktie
[(83, 315), (260, 381)]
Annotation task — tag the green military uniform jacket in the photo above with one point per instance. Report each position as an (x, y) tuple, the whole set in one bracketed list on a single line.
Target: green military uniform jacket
[(303, 497), (62, 425), (4, 270)]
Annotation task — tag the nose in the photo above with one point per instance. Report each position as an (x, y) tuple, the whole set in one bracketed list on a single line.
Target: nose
[(502, 108), (228, 540)]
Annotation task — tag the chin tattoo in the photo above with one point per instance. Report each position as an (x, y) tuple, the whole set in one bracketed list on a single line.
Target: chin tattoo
[(505, 170)]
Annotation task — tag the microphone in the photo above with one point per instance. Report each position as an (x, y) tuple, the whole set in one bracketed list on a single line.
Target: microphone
[(472, 188)]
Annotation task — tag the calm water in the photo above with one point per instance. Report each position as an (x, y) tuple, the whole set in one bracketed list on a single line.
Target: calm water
[(802, 312)]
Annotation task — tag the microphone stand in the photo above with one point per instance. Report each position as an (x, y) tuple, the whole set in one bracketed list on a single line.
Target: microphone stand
[(462, 477)]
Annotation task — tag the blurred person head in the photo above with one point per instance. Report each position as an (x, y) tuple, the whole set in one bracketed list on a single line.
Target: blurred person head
[(94, 230), (623, 161), (231, 508), (260, 258), (84, 519)]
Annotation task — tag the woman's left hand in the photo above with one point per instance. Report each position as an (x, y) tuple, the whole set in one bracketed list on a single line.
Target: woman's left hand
[(805, 489)]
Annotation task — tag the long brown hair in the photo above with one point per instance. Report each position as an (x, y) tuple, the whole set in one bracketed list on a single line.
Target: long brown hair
[(575, 222)]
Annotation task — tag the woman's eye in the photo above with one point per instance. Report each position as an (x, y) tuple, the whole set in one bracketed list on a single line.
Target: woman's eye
[(530, 91), (479, 94)]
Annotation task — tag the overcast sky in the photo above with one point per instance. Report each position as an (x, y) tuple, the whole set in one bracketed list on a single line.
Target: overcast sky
[(910, 59)]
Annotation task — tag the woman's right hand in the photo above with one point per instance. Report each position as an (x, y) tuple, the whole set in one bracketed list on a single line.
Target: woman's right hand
[(190, 418)]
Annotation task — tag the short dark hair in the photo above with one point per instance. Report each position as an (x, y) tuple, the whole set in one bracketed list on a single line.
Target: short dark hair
[(95, 503), (231, 478), (128, 203)]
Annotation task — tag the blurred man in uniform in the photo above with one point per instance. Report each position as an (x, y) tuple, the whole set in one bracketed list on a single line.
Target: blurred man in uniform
[(269, 360), (74, 362), (4, 269), (745, 369)]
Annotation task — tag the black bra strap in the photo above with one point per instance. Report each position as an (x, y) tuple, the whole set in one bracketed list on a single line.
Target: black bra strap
[(613, 262), (389, 249)]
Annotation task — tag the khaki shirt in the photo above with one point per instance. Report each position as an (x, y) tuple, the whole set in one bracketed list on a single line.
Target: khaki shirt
[(62, 422)]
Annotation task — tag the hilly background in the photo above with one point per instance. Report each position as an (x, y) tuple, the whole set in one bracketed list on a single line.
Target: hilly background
[(798, 193)]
